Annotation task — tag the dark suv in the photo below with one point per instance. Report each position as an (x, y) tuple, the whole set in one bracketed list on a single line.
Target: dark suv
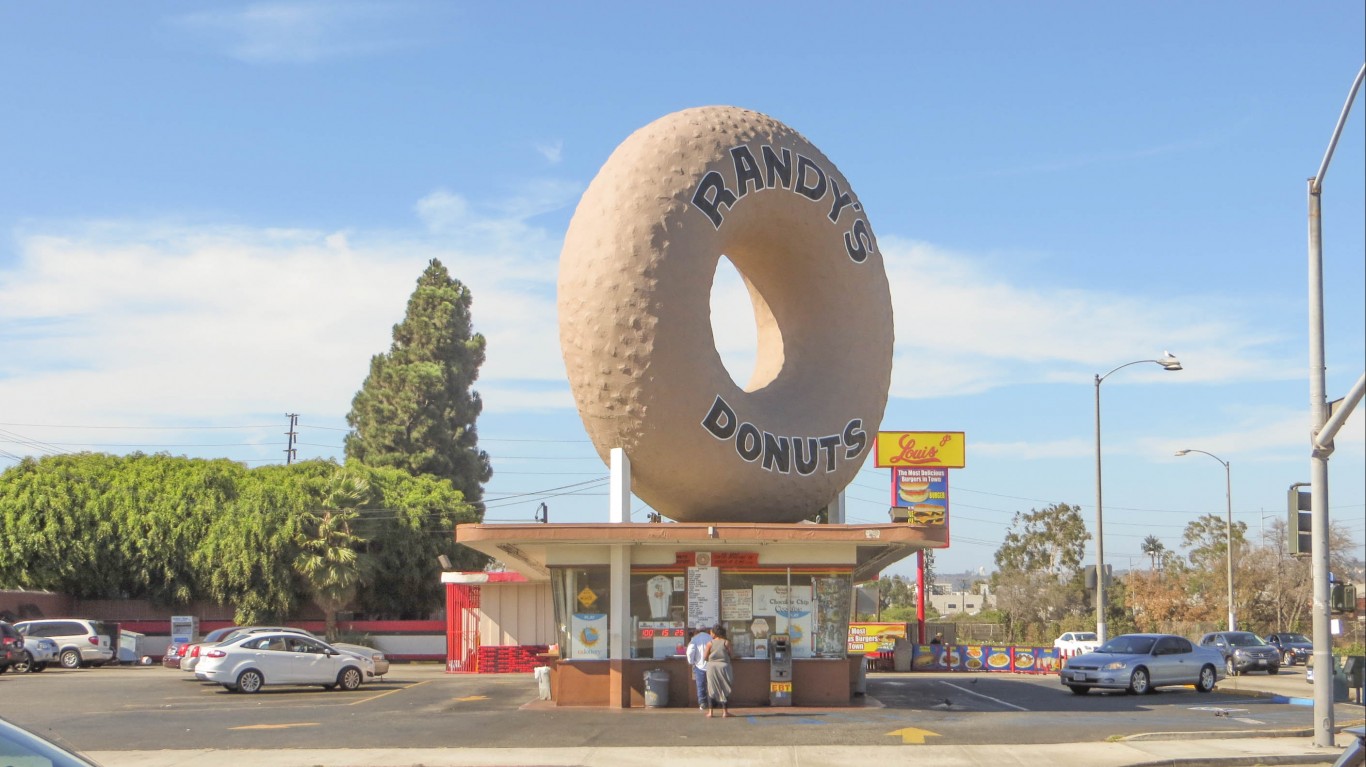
[(1295, 648), (11, 646), (1243, 651)]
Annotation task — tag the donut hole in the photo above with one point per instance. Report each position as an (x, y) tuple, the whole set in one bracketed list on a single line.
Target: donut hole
[(744, 331)]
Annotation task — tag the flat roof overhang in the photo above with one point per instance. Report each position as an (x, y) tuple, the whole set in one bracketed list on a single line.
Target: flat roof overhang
[(527, 547)]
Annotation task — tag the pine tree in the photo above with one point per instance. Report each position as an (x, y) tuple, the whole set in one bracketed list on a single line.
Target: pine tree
[(416, 410)]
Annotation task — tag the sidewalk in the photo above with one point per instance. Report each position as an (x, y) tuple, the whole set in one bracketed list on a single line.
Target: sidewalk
[(1190, 753)]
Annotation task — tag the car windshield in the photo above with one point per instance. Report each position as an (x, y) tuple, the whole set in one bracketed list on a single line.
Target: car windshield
[(1244, 639), (1295, 638), (1129, 645), (1084, 636)]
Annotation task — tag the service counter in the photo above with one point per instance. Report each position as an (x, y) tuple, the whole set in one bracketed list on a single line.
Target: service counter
[(819, 682)]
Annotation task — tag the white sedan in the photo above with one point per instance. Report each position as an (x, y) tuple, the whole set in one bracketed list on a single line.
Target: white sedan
[(1077, 642), (254, 660)]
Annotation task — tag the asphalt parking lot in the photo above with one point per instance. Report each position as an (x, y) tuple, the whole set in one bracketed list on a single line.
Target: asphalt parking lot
[(420, 706)]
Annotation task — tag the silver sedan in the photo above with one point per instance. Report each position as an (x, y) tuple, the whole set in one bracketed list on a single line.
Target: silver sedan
[(1140, 663)]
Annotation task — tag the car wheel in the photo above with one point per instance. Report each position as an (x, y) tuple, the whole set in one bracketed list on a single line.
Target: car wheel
[(25, 663), (1078, 689), (1289, 658), (1206, 681), (349, 679), (1229, 668), (1138, 682), (1273, 670), (39, 667), (70, 659), (250, 681)]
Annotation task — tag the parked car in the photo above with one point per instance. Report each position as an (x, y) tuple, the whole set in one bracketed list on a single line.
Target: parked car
[(1295, 648), (189, 656), (1077, 642), (1139, 663), (39, 653), (171, 658), (251, 661), (380, 660), (11, 646), (20, 747), (80, 642), (1243, 651)]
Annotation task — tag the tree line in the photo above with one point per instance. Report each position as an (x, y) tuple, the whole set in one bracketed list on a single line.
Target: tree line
[(1040, 585), (366, 533)]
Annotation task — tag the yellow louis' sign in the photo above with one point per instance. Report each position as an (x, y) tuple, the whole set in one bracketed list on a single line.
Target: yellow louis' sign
[(942, 449)]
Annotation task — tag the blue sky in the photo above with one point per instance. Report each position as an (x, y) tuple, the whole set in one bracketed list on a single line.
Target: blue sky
[(215, 212)]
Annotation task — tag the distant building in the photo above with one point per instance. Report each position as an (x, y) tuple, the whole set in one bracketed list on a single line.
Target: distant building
[(948, 602)]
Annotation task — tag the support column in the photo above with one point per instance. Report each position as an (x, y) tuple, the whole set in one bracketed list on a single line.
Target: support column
[(834, 513), (619, 626), (619, 488)]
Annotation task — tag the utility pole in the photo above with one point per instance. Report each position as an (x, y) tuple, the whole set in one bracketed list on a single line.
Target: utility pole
[(293, 423)]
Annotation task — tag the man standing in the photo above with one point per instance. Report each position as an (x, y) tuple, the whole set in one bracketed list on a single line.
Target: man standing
[(697, 658)]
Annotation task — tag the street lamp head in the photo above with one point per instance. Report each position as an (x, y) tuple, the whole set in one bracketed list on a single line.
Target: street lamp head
[(1168, 362), (1182, 452)]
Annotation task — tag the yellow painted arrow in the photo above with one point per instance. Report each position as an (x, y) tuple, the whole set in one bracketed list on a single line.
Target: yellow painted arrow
[(469, 698), (913, 735)]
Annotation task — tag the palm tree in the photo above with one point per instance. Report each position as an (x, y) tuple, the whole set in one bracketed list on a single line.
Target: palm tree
[(1155, 549), (329, 558)]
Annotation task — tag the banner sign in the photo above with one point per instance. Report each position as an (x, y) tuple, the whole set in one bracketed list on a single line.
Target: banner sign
[(792, 614), (924, 493), (1021, 659), (874, 637), (588, 636), (716, 559), (925, 449)]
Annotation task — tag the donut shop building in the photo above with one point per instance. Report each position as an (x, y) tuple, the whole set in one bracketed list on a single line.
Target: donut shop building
[(628, 596)]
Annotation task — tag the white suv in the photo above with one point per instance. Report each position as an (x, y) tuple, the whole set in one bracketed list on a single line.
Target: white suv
[(79, 642)]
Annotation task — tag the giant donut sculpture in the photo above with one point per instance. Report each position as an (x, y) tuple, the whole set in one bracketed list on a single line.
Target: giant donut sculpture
[(635, 287)]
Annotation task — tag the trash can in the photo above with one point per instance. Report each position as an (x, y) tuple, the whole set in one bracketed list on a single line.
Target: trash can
[(542, 675), (657, 688), (902, 651)]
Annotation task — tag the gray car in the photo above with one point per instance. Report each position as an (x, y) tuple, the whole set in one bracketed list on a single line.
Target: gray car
[(1140, 663), (1243, 651), (1295, 648), (39, 653)]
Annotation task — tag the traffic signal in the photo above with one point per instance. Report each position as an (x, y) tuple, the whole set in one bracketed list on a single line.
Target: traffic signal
[(1299, 524), (1343, 597)]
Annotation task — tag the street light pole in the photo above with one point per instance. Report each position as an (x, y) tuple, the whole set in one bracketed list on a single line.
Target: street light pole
[(1168, 362), (1228, 527)]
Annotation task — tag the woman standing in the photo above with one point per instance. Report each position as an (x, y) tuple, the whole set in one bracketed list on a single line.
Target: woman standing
[(720, 675)]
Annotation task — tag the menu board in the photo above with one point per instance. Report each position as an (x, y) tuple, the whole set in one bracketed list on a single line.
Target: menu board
[(737, 604), (704, 596)]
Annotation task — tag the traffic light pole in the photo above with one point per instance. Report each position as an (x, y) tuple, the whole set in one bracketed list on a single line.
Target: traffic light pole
[(1321, 440)]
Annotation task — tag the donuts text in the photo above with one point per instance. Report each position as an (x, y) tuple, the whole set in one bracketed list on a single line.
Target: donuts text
[(780, 453), (713, 198)]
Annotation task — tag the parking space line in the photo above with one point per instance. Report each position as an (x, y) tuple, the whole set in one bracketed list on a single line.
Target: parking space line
[(988, 697), (388, 692)]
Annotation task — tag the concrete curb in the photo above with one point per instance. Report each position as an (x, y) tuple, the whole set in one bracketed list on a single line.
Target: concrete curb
[(1241, 761)]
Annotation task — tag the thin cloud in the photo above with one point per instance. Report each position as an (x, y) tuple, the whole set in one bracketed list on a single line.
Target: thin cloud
[(960, 329), (295, 31), (162, 320), (552, 151)]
